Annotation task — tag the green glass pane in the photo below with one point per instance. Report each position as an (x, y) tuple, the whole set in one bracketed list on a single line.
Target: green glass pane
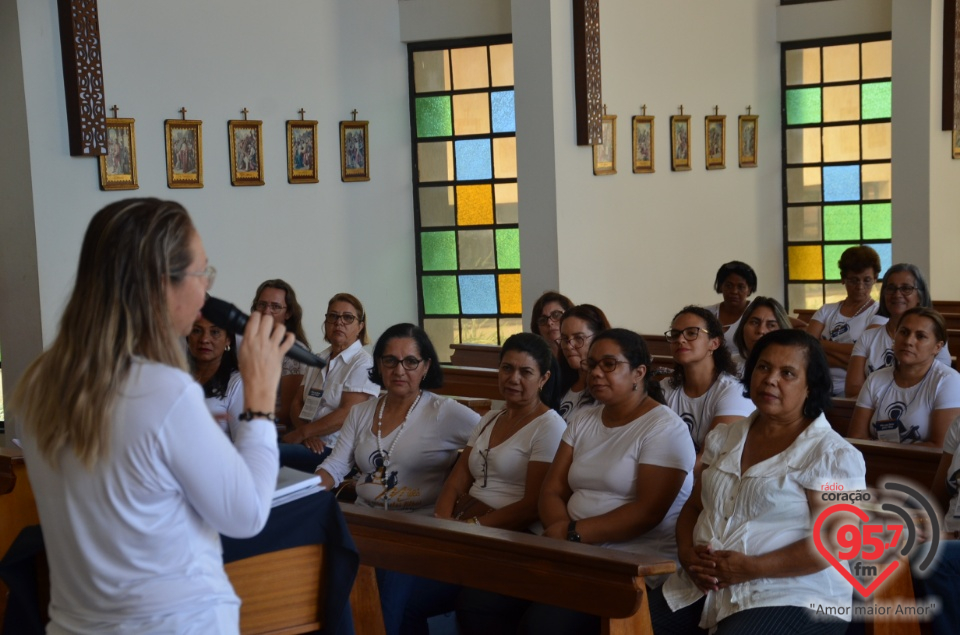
[(831, 256), (440, 295), (438, 250), (508, 248), (803, 106), (433, 117), (841, 222), (876, 100), (877, 221)]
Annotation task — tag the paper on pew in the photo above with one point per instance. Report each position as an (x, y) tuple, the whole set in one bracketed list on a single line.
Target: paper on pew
[(293, 484)]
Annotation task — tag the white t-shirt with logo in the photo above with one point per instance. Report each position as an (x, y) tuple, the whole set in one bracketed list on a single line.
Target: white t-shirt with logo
[(723, 399)]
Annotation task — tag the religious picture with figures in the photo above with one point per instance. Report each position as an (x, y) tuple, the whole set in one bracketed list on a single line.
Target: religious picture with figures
[(354, 151)]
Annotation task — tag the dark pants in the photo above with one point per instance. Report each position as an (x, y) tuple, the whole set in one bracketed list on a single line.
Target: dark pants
[(407, 601), (484, 612), (302, 458)]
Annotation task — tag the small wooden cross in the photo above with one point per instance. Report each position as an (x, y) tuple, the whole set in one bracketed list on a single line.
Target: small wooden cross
[(716, 110), (681, 110), (354, 113), (302, 112), (244, 111), (643, 110), (749, 108), (183, 113), (115, 111)]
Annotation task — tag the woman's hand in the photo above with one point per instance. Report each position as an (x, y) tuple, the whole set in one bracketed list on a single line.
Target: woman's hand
[(733, 567), (699, 564), (315, 444), (557, 530)]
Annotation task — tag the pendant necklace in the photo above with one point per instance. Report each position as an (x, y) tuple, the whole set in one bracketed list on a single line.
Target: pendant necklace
[(385, 455)]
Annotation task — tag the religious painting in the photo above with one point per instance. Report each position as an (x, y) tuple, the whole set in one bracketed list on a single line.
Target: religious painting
[(715, 141), (118, 168), (302, 152), (748, 141), (184, 153), (956, 143), (605, 152), (354, 151), (680, 142), (642, 144), (246, 152)]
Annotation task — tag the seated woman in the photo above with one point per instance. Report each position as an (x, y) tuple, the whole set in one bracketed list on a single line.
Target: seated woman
[(703, 389), (212, 353), (737, 281), (840, 324), (744, 535), (762, 316), (578, 327), (326, 396), (545, 321), (277, 298), (496, 482), (903, 288), (914, 400)]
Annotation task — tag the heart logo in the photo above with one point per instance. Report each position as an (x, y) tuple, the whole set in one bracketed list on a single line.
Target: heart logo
[(865, 591)]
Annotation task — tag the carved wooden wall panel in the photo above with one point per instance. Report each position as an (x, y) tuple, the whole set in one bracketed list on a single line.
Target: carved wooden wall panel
[(586, 69), (951, 64), (83, 77)]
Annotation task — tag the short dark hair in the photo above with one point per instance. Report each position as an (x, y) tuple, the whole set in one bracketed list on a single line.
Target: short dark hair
[(543, 300), (635, 349), (722, 360), (939, 324), (859, 258), (913, 270), (434, 376), (294, 323), (354, 301), (538, 348), (819, 382), (741, 269), (760, 301)]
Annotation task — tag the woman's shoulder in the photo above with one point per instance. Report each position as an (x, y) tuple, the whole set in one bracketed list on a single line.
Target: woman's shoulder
[(159, 377), (447, 409), (662, 416), (549, 420), (726, 381)]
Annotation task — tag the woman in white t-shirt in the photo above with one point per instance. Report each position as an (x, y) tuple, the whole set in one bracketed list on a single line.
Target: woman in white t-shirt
[(703, 389), (838, 325), (578, 327), (916, 399), (212, 353), (736, 281), (762, 316)]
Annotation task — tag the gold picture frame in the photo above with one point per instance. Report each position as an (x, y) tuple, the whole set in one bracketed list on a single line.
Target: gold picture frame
[(680, 143), (748, 140), (956, 143), (715, 141), (246, 152), (184, 141), (302, 152), (605, 152), (643, 153), (354, 151), (118, 167)]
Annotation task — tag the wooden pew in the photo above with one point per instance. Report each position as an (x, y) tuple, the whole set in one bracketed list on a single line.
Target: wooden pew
[(462, 381), (584, 578), (947, 306), (916, 462), (478, 355), (17, 507), (840, 413)]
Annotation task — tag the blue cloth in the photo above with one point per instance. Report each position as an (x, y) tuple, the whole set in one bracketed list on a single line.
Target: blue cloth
[(302, 458), (408, 601)]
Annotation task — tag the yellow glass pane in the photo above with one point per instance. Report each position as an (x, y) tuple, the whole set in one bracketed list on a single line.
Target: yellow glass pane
[(431, 71), (471, 114), (806, 262), (877, 59), (470, 68), (876, 141), (841, 103), (803, 145), (507, 202), (841, 143), (875, 181), (435, 161), (474, 205), (803, 185), (803, 66), (505, 158), (501, 64), (443, 333), (510, 301), (841, 63)]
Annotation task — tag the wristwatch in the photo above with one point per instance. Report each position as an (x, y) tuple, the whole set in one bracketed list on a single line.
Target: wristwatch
[(572, 534)]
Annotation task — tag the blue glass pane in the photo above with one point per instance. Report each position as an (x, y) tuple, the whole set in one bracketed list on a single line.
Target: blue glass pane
[(885, 251), (504, 117), (478, 294), (841, 183), (473, 160)]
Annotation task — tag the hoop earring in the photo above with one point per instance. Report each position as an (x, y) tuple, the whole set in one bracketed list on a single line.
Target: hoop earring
[(635, 386), (227, 348)]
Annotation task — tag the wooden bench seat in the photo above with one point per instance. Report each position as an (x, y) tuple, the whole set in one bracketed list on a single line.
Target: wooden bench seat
[(465, 381)]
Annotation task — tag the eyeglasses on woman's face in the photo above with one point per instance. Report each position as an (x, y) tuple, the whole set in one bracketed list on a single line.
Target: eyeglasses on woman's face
[(606, 364), (269, 307), (906, 290), (346, 318), (210, 273), (553, 316), (853, 281), (574, 341), (410, 362), (690, 333)]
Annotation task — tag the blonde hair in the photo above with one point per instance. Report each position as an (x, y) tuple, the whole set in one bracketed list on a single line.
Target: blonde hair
[(132, 250)]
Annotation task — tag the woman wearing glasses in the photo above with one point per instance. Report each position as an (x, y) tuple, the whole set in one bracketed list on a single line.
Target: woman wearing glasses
[(278, 299), (703, 389), (903, 288), (840, 324), (914, 400), (497, 480), (736, 281), (320, 408), (578, 327)]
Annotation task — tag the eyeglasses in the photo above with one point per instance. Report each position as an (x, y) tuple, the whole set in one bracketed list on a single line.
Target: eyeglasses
[(484, 454), (268, 307), (210, 273), (607, 364), (410, 362), (575, 341), (346, 318), (553, 316), (905, 290), (859, 282), (690, 333)]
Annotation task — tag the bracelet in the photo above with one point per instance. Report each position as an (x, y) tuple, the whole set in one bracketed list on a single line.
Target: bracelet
[(249, 415), (475, 521)]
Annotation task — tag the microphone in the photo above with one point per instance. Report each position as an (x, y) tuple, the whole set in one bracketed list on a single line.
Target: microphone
[(227, 316)]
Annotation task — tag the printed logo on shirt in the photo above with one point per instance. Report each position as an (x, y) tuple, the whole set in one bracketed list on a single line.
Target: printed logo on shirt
[(691, 422), (892, 429), (888, 358), (839, 329)]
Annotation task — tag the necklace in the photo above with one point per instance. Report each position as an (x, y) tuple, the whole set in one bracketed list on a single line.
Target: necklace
[(383, 404), (868, 302)]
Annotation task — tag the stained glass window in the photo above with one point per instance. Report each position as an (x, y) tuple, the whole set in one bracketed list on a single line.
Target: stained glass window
[(837, 141), (465, 184)]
